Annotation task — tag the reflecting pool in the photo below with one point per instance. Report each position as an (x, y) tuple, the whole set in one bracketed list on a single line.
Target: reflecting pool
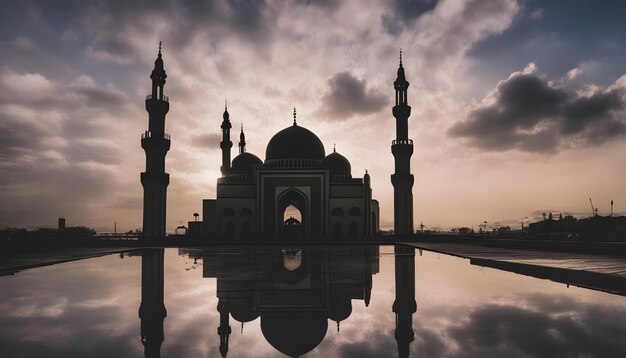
[(313, 301)]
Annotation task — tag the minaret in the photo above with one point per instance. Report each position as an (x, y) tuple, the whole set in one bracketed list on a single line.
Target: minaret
[(224, 329), (402, 149), (242, 141), (155, 143), (404, 306), (152, 310), (226, 144)]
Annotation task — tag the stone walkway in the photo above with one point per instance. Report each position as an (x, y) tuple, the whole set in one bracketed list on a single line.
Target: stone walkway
[(15, 262), (597, 272)]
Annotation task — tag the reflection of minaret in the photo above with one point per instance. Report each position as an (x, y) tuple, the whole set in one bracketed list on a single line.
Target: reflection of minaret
[(404, 306), (155, 143), (152, 309), (402, 149), (224, 329), (226, 143)]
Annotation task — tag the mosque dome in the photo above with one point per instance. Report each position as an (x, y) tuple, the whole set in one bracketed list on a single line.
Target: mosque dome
[(294, 335), (295, 142), (337, 163), (244, 162)]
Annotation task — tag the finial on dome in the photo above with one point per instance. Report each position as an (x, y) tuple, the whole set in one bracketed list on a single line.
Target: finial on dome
[(400, 57), (334, 147), (226, 105), (160, 48), (366, 171), (294, 117), (337, 326), (242, 126)]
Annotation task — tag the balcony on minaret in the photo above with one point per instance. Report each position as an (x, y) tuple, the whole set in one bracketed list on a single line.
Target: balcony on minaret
[(157, 143), (147, 134), (164, 98)]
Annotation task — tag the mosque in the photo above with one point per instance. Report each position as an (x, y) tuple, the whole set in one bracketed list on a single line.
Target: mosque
[(297, 191)]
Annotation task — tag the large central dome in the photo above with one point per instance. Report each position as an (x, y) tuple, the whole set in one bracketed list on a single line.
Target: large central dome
[(295, 142)]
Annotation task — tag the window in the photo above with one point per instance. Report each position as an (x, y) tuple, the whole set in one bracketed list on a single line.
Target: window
[(337, 212), (355, 211)]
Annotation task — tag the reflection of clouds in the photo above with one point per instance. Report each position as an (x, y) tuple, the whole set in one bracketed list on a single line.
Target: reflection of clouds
[(89, 308), (80, 308)]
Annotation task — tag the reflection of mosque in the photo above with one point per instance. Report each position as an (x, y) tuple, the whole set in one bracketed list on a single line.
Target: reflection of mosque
[(294, 292)]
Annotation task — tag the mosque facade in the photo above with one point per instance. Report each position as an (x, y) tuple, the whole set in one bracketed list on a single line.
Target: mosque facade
[(255, 198)]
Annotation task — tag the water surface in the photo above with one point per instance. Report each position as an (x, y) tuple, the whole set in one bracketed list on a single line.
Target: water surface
[(314, 301)]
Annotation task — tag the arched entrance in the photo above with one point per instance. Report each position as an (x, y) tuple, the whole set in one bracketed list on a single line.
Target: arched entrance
[(292, 213)]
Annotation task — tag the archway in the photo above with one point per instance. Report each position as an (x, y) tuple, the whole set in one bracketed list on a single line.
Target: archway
[(246, 230), (336, 230), (292, 213), (229, 229), (353, 229)]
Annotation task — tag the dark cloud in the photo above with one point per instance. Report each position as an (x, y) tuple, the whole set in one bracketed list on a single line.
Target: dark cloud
[(405, 12), (531, 114), (208, 140), (348, 96)]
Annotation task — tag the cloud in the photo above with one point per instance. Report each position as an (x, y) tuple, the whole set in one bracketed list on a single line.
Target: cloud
[(529, 113), (504, 330), (208, 140), (60, 151), (348, 96)]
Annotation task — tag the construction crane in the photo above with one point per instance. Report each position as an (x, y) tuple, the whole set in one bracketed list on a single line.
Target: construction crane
[(594, 211), (611, 207)]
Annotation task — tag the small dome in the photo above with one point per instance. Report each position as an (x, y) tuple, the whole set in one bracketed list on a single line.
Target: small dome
[(337, 163), (295, 142), (244, 162), (340, 311), (242, 312)]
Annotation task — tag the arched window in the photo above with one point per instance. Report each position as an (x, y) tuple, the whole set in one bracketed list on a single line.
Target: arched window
[(337, 212), (353, 229), (355, 211), (245, 212), (246, 230), (228, 212), (336, 231), (229, 229)]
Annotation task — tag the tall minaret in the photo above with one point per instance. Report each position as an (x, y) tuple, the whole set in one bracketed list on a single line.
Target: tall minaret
[(404, 305), (402, 149), (155, 143), (226, 144), (242, 141), (152, 310)]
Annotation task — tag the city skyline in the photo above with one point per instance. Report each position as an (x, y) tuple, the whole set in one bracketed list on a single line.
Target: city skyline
[(514, 113)]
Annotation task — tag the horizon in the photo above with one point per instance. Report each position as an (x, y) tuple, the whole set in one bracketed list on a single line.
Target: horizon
[(518, 107)]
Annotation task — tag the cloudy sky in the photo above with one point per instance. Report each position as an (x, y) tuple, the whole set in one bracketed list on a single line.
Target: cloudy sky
[(518, 106)]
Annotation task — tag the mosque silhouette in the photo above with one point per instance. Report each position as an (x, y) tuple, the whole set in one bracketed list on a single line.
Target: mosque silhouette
[(297, 191)]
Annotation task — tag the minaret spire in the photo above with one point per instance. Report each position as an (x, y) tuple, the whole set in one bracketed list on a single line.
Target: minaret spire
[(156, 143), (242, 140), (294, 117), (226, 143), (402, 149)]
